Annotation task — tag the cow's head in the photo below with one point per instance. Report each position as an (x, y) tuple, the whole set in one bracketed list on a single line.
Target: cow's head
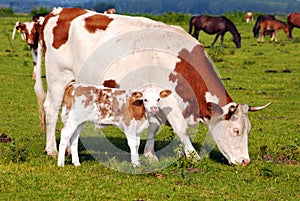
[(28, 31), (230, 131)]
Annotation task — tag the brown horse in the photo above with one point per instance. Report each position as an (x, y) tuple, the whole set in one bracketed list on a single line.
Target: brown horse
[(275, 25), (214, 25), (256, 27), (293, 20)]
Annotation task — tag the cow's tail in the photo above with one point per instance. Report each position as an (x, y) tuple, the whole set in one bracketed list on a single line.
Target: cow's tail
[(39, 89), (191, 24)]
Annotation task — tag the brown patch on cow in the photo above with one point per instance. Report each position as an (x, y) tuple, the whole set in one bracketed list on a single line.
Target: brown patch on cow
[(68, 99), (42, 37), (61, 31), (97, 21), (111, 84), (195, 76), (133, 109), (88, 92)]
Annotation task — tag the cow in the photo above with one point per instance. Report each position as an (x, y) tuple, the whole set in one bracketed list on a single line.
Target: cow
[(133, 52), (29, 32), (125, 109), (249, 17), (110, 11)]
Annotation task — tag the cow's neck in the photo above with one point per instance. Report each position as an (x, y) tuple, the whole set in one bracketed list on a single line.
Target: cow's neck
[(198, 84)]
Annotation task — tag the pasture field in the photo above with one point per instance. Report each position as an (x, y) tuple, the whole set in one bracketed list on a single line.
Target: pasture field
[(254, 74)]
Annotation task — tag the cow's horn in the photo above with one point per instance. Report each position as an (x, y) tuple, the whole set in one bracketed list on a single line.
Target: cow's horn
[(257, 108)]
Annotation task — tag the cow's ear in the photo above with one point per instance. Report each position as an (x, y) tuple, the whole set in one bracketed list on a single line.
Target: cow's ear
[(231, 110), (215, 109), (137, 95), (165, 93)]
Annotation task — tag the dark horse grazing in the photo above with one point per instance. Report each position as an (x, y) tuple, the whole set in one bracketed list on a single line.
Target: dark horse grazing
[(214, 25), (275, 25), (293, 20), (256, 27)]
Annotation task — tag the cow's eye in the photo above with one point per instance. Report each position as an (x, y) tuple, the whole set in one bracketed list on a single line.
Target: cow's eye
[(236, 131), (145, 100), (158, 99)]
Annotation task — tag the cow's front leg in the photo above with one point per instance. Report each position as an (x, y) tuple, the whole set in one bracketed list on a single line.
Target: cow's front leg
[(149, 147), (133, 141), (179, 125)]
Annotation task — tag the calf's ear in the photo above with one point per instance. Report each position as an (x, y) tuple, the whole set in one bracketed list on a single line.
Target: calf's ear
[(137, 95), (165, 93)]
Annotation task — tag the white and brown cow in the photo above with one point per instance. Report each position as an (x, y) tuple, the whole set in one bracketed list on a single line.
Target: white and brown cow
[(125, 109), (90, 47), (29, 32), (249, 17)]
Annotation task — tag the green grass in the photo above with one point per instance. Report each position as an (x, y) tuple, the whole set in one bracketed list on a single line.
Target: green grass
[(26, 173)]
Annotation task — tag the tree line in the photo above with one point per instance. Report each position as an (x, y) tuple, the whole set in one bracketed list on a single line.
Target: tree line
[(214, 7)]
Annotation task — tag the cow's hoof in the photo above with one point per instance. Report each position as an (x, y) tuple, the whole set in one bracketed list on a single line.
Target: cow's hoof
[(151, 157)]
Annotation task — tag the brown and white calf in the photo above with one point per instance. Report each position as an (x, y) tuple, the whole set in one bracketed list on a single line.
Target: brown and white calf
[(125, 109), (133, 51)]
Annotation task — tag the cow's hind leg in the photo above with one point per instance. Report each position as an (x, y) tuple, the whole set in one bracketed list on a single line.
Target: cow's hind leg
[(66, 134), (74, 145), (52, 106)]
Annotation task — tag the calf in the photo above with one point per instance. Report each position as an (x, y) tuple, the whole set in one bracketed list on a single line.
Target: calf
[(125, 109)]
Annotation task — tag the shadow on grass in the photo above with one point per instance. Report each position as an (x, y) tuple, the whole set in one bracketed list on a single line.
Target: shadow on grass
[(107, 149)]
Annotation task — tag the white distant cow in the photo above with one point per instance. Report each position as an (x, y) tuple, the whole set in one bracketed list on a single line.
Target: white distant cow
[(90, 47), (125, 109), (249, 17), (29, 32)]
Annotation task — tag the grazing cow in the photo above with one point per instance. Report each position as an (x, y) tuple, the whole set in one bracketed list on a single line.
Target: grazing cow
[(125, 109), (249, 17), (132, 52), (110, 11), (29, 32), (293, 20)]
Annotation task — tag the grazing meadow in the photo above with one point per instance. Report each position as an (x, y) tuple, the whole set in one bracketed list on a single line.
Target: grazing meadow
[(255, 74)]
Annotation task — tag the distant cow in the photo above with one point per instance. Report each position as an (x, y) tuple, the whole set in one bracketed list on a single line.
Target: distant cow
[(249, 17), (29, 32), (110, 11), (125, 109)]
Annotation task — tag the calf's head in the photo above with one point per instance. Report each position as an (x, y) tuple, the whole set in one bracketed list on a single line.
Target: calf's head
[(150, 98), (230, 130)]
